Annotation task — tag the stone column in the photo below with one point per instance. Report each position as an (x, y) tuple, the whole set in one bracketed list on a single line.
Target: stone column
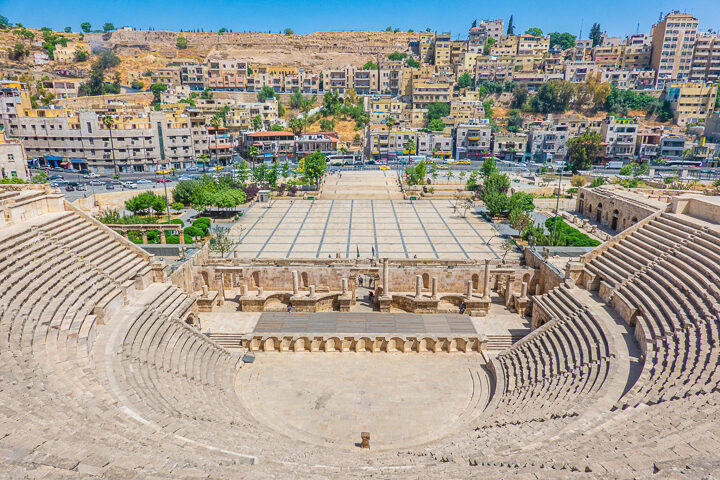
[(418, 285), (344, 284), (244, 290), (181, 236), (508, 289), (434, 288), (524, 290), (295, 283), (312, 290), (386, 277), (205, 290), (162, 237), (486, 281), (144, 237), (469, 289), (260, 291)]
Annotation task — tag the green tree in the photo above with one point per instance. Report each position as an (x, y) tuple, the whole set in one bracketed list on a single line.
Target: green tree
[(181, 43), (553, 97), (276, 127), (315, 166), (86, 27), (397, 56), (519, 97), (80, 55), (436, 125), (415, 175), (257, 122), (562, 40), (369, 65), (437, 110), (265, 93), (327, 125), (595, 34), (488, 44), (206, 94), (108, 27), (107, 60), (464, 80), (297, 125), (412, 63), (534, 31), (584, 149), (18, 52), (510, 27), (288, 31), (157, 89), (137, 85), (410, 146)]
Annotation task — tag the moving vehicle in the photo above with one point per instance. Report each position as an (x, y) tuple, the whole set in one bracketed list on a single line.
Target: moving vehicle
[(143, 180), (69, 188), (109, 186), (55, 177), (163, 180), (130, 185), (91, 175), (384, 167), (192, 168), (96, 182)]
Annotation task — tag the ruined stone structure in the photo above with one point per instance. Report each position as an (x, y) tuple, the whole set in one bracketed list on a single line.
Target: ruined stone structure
[(103, 374)]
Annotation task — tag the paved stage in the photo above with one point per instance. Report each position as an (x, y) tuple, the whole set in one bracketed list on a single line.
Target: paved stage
[(369, 323)]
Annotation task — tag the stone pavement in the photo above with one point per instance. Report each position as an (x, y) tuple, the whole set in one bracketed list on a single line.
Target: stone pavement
[(374, 184), (401, 400), (398, 229)]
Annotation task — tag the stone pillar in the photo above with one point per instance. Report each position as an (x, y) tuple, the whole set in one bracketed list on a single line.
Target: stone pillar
[(181, 236), (260, 291), (418, 285), (365, 440), (524, 290), (144, 237), (486, 280), (312, 290), (205, 290), (162, 237), (469, 289), (244, 290), (508, 289), (434, 288), (386, 277), (344, 283), (295, 283)]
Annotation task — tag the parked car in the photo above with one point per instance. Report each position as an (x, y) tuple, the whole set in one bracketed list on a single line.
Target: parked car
[(130, 185), (69, 188), (109, 186), (185, 177), (91, 175), (80, 187), (192, 168), (55, 177), (143, 180), (96, 182), (163, 180)]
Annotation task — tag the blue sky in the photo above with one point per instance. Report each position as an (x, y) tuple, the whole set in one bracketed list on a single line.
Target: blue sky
[(618, 17)]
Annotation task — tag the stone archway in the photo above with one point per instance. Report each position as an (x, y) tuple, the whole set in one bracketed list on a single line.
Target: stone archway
[(598, 213), (426, 281), (615, 219)]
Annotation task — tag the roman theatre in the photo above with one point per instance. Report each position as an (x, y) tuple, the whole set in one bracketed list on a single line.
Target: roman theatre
[(362, 332)]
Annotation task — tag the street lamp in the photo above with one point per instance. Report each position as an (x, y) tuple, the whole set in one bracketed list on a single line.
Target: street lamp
[(557, 205)]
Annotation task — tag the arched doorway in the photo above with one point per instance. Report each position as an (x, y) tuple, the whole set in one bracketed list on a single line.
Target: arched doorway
[(426, 280), (581, 203), (598, 213), (614, 223), (476, 281)]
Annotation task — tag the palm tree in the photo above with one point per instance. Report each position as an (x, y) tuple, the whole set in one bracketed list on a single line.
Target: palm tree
[(204, 158), (215, 121), (108, 122), (254, 152)]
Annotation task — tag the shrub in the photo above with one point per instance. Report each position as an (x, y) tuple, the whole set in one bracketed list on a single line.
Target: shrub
[(203, 223), (578, 181), (194, 231), (177, 206), (597, 182), (568, 235), (251, 192)]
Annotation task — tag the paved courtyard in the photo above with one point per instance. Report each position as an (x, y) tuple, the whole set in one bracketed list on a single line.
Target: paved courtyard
[(329, 399), (399, 229)]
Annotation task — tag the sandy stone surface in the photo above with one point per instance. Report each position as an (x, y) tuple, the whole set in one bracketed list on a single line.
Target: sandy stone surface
[(329, 399)]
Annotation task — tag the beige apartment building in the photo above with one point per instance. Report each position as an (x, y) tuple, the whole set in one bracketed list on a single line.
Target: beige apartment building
[(706, 58), (464, 111), (619, 135), (494, 28), (636, 57), (673, 40), (443, 49), (13, 162), (691, 102), (424, 93)]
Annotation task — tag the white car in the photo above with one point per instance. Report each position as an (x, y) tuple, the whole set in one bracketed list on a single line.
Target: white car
[(96, 182), (143, 180), (130, 185), (91, 175)]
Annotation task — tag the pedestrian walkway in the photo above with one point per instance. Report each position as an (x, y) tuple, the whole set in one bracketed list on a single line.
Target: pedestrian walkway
[(380, 184)]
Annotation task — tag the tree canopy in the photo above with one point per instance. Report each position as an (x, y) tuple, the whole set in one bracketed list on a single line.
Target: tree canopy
[(584, 149)]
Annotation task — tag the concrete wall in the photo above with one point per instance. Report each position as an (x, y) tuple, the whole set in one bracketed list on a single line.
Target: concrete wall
[(114, 199), (615, 211), (546, 277)]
